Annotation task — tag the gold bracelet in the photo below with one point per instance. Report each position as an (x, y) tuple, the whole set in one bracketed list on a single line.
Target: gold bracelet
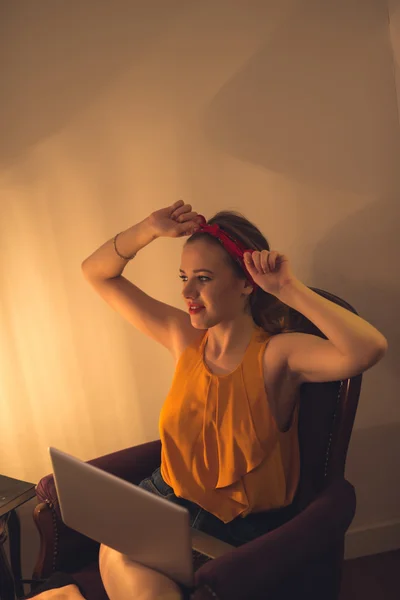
[(116, 249)]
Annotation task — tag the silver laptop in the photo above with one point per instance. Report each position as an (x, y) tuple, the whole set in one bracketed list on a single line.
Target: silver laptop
[(149, 529)]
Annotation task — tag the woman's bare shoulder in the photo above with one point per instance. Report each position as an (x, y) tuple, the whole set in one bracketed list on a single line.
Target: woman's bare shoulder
[(186, 337)]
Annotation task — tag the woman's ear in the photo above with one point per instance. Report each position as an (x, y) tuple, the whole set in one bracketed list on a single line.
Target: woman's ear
[(247, 288)]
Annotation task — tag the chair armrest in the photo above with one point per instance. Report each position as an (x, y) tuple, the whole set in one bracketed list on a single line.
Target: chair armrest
[(255, 569), (60, 546), (132, 464)]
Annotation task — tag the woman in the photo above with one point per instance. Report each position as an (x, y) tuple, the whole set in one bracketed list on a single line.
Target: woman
[(229, 423)]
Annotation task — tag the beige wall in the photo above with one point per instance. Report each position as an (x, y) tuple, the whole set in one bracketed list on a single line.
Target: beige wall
[(286, 111)]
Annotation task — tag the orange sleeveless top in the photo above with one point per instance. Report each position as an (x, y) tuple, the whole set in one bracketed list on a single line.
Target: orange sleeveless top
[(221, 447)]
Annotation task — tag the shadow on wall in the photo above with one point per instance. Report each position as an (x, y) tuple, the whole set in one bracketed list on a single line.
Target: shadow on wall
[(359, 258), (373, 456), (318, 102), (318, 105), (90, 44)]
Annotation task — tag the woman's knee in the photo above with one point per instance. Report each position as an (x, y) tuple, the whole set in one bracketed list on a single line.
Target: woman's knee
[(125, 578), (106, 555)]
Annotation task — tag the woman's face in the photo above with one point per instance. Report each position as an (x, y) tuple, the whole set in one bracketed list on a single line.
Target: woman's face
[(210, 282)]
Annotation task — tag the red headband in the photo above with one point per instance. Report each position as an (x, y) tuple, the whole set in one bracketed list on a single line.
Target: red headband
[(232, 246)]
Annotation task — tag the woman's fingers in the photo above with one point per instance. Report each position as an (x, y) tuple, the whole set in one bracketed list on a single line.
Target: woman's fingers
[(181, 210), (187, 228), (190, 216), (177, 204), (174, 208), (186, 217)]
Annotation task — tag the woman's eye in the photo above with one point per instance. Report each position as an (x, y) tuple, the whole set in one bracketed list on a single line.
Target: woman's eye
[(204, 277)]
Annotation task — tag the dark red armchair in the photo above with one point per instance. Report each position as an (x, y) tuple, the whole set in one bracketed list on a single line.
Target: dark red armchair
[(301, 559)]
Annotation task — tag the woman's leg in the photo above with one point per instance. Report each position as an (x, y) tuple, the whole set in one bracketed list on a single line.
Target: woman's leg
[(125, 579), (67, 592)]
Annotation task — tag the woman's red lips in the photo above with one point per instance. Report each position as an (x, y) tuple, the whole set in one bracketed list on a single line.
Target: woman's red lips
[(193, 308)]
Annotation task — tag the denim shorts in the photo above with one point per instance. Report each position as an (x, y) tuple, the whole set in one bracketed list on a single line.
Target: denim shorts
[(237, 532)]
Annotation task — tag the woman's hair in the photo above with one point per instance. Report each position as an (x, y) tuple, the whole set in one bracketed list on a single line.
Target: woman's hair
[(267, 311)]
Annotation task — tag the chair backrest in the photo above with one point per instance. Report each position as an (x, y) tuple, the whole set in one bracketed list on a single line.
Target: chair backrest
[(326, 418)]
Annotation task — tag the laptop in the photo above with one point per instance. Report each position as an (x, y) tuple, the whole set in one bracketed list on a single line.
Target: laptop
[(147, 528)]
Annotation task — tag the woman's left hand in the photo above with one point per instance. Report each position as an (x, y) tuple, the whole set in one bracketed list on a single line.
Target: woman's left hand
[(270, 270)]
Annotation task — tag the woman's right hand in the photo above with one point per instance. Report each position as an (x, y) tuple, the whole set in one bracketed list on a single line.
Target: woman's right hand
[(174, 221)]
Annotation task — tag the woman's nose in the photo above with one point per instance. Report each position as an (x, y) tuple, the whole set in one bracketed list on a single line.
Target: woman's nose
[(189, 290)]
